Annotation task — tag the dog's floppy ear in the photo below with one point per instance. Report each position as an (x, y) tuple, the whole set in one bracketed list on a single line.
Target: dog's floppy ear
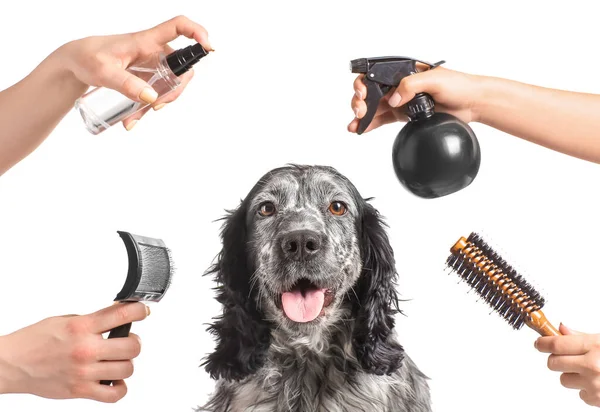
[(377, 303), (242, 335)]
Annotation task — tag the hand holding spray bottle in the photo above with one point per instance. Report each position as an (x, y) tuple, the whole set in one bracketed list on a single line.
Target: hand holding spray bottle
[(435, 154), (102, 107)]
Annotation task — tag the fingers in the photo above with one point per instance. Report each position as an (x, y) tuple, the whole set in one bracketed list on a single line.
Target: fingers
[(359, 87), (116, 370), (411, 85), (572, 381), (565, 363), (567, 344), (359, 107), (105, 393), (128, 84), (120, 349), (172, 96), (117, 315), (589, 398), (160, 103), (383, 115), (378, 121), (132, 120), (175, 27)]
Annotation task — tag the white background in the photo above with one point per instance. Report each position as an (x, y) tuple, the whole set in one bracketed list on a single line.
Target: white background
[(277, 90)]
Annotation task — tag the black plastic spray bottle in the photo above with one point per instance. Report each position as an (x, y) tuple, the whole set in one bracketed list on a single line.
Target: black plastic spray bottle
[(435, 154), (101, 107)]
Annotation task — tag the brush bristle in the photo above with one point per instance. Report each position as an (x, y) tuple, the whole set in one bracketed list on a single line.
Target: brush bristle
[(497, 282), (156, 264), (359, 65)]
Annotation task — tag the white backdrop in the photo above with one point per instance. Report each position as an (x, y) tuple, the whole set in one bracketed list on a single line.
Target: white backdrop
[(277, 90)]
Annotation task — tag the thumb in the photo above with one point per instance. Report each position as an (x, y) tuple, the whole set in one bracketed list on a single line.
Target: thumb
[(567, 331), (423, 82), (128, 84)]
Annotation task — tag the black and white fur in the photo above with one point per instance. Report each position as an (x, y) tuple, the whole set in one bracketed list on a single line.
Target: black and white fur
[(348, 359)]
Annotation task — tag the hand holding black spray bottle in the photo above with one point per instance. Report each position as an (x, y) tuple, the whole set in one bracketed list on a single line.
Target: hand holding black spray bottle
[(435, 154), (102, 108)]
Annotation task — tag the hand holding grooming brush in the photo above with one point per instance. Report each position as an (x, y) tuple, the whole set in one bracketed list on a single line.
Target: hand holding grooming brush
[(563, 121), (577, 356), (66, 357), (32, 108)]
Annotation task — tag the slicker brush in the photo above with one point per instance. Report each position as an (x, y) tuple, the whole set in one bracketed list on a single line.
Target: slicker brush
[(499, 284), (148, 277)]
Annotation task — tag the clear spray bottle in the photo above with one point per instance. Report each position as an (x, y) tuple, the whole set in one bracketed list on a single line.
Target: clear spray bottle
[(102, 107)]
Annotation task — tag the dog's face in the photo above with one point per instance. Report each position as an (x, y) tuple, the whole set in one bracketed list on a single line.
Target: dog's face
[(301, 252), (303, 245)]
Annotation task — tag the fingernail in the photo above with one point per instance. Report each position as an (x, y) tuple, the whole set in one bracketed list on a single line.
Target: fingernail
[(159, 106), (563, 326), (209, 48), (356, 112), (148, 95), (359, 94), (395, 100), (131, 124), (535, 344), (147, 310)]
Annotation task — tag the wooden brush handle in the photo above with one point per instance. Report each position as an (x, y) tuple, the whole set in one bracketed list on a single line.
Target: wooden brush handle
[(538, 322)]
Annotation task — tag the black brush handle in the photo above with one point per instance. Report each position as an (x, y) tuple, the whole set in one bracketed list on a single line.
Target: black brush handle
[(118, 332)]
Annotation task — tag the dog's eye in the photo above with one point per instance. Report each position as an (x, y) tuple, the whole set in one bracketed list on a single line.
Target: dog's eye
[(266, 209), (337, 208)]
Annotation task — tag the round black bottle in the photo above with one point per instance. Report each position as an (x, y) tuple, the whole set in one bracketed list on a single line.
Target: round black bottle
[(435, 154)]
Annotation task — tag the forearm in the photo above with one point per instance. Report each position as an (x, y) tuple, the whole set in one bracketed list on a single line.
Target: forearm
[(564, 121), (32, 108)]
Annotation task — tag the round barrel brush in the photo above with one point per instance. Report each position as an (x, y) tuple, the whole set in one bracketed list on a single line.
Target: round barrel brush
[(499, 284)]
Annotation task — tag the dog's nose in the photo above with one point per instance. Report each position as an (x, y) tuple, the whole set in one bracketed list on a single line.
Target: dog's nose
[(300, 244)]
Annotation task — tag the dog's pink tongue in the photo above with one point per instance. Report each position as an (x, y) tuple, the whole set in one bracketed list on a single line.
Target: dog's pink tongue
[(303, 308)]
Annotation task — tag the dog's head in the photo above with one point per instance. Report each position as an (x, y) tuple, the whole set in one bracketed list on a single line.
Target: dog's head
[(302, 251)]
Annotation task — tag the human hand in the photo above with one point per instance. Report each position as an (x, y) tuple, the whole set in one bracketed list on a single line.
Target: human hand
[(577, 355), (102, 60), (66, 357), (454, 92)]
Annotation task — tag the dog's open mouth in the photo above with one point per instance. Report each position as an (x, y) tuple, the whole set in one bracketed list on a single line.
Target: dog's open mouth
[(305, 301)]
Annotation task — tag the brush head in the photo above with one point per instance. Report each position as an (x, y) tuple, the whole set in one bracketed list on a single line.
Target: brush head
[(498, 283), (150, 269)]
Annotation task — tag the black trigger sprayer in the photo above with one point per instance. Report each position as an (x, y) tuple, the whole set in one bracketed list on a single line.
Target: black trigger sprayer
[(435, 154)]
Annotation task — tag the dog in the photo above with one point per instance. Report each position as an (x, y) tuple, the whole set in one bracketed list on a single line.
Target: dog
[(307, 281)]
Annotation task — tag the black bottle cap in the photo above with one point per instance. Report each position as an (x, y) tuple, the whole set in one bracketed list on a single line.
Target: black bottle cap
[(180, 61), (421, 106)]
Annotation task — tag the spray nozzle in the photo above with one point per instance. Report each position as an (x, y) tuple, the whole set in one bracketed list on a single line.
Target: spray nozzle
[(180, 61), (384, 73)]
